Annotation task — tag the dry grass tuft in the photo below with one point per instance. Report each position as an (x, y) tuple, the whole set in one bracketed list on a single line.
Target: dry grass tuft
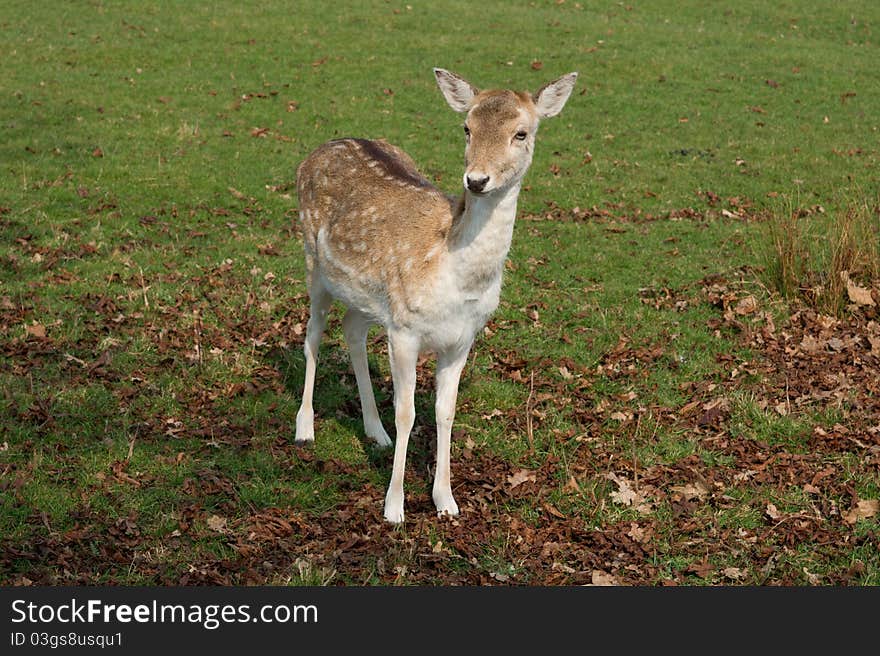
[(818, 258)]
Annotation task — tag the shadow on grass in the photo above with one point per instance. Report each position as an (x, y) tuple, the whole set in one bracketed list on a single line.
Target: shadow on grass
[(336, 396)]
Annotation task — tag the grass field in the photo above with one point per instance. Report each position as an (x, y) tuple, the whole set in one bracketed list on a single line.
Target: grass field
[(644, 408)]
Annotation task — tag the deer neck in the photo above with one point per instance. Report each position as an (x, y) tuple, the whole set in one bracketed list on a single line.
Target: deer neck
[(480, 238)]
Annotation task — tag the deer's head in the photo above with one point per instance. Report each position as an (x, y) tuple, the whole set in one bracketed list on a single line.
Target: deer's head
[(500, 127)]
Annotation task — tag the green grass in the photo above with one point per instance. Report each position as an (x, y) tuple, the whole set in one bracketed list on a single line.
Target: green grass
[(147, 212)]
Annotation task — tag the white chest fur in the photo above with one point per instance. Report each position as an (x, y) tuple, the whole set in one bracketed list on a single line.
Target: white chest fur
[(468, 285)]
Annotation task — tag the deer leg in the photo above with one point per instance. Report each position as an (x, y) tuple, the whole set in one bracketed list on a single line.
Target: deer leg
[(403, 352), (320, 304), (355, 325), (449, 367)]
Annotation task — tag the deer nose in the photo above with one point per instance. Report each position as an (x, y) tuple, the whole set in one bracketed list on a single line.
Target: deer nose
[(477, 184)]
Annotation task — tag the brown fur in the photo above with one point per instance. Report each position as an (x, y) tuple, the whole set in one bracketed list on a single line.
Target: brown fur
[(372, 226)]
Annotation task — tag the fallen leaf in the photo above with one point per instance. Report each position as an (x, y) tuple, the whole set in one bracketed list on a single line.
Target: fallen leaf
[(863, 510), (713, 414), (36, 330), (734, 573), (703, 569), (812, 579), (748, 305), (636, 532), (520, 477), (857, 294), (603, 578), (773, 512), (626, 495), (217, 523), (810, 344), (690, 491)]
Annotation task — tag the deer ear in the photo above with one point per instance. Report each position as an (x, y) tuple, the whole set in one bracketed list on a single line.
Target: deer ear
[(550, 99), (458, 92)]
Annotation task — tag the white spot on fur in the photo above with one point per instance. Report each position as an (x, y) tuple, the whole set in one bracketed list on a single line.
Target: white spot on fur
[(431, 254)]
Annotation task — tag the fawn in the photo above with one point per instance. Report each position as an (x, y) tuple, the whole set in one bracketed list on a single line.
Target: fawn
[(398, 252)]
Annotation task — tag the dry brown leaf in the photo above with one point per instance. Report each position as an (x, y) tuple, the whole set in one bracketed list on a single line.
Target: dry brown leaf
[(773, 512), (217, 523), (748, 305), (36, 330), (734, 573), (520, 477), (628, 496), (636, 532), (857, 294), (810, 344), (553, 510), (697, 490), (812, 579), (863, 510), (836, 344), (603, 578), (625, 495)]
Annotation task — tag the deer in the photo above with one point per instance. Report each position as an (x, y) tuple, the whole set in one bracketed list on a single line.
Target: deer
[(426, 266)]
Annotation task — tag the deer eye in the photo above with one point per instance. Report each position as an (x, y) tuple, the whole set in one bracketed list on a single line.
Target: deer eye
[(521, 135), (467, 131)]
